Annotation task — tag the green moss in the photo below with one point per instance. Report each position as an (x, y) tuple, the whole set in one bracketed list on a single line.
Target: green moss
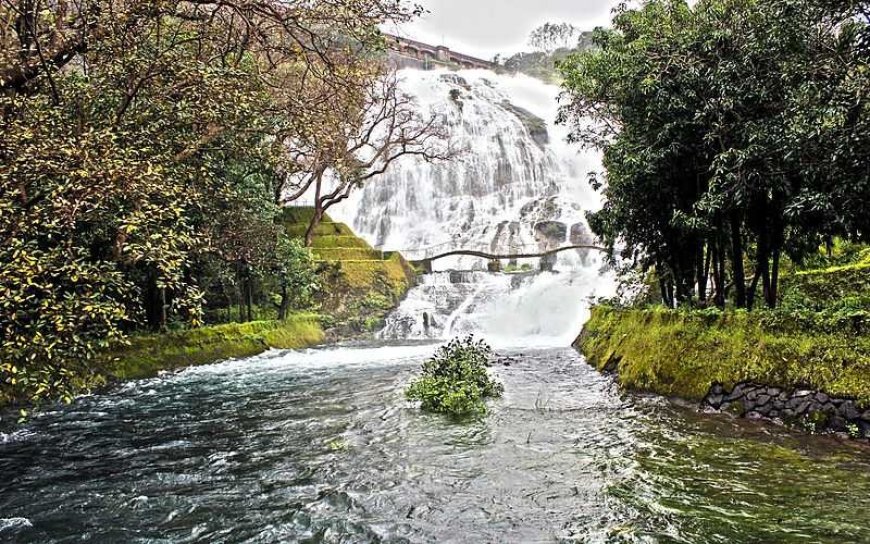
[(324, 228), (299, 214), (348, 254), (683, 354), (147, 355), (326, 242), (362, 275), (361, 285), (830, 284)]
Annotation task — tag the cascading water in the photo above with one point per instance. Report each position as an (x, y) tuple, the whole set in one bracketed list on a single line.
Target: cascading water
[(517, 187)]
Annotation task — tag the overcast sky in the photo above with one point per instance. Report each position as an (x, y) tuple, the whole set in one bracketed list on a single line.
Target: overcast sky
[(484, 28)]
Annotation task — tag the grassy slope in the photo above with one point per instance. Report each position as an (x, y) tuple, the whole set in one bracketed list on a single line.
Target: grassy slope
[(148, 354), (682, 354), (362, 284)]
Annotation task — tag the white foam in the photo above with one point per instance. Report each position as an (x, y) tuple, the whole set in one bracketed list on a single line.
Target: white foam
[(14, 524)]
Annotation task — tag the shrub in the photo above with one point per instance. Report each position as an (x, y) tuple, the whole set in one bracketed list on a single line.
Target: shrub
[(455, 380)]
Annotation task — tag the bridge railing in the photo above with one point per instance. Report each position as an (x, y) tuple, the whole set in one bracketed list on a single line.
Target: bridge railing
[(526, 251)]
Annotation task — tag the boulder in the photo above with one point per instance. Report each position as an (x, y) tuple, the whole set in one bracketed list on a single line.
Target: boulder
[(551, 234), (581, 235)]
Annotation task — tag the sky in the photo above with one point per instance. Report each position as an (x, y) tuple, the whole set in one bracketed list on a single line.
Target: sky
[(484, 28)]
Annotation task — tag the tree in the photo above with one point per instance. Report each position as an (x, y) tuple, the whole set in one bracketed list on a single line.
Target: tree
[(357, 141), (730, 132), (125, 123), (552, 36)]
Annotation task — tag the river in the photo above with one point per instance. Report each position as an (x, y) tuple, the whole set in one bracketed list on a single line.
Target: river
[(320, 446)]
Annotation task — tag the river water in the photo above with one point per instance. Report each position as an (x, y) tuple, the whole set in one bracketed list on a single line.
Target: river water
[(320, 446)]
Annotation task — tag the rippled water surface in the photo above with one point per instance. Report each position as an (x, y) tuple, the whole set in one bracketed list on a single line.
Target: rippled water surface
[(321, 447)]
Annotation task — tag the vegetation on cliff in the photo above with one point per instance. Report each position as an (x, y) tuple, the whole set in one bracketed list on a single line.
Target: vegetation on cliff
[(551, 43)]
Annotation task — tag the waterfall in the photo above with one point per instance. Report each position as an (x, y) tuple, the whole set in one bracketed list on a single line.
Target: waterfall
[(517, 186)]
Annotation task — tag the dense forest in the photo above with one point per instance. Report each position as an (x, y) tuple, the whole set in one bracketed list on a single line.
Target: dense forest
[(736, 135), (147, 148)]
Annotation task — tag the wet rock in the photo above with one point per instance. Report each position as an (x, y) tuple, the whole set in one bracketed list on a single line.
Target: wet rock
[(714, 400), (736, 408), (814, 411), (547, 263), (581, 235), (612, 365), (763, 409), (551, 234), (848, 410), (536, 126), (835, 422), (803, 406), (736, 393)]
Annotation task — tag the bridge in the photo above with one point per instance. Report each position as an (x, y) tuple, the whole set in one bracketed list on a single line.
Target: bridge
[(424, 263), (407, 53)]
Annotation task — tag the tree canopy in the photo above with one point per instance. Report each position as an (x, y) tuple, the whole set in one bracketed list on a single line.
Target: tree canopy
[(143, 152), (733, 132)]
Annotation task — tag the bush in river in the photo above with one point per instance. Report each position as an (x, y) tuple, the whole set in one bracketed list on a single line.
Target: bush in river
[(455, 380)]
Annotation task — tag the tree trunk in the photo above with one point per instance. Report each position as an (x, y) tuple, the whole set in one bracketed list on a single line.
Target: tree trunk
[(285, 304), (703, 273), (737, 262), (163, 308), (249, 297), (312, 225), (750, 296), (774, 279)]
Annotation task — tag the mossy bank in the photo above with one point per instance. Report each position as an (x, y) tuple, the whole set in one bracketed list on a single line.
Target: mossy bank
[(149, 354), (815, 348)]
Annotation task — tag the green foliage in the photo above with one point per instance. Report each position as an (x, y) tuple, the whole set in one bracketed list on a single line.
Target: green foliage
[(142, 154), (553, 43), (455, 380), (732, 134), (514, 268)]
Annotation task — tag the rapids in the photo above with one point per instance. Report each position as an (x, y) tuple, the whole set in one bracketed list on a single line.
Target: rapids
[(320, 446)]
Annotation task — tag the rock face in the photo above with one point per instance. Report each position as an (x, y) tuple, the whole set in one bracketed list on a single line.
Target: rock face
[(536, 126), (814, 411), (551, 234), (580, 234)]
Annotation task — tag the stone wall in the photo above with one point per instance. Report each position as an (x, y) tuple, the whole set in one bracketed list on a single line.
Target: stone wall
[(810, 410)]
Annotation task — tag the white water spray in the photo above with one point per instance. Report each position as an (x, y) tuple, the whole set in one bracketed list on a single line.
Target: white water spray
[(517, 188)]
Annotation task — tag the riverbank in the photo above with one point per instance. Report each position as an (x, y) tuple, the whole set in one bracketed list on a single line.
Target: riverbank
[(147, 355), (359, 287), (807, 364)]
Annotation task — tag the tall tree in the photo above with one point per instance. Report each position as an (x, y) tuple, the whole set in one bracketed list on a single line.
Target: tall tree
[(722, 125)]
